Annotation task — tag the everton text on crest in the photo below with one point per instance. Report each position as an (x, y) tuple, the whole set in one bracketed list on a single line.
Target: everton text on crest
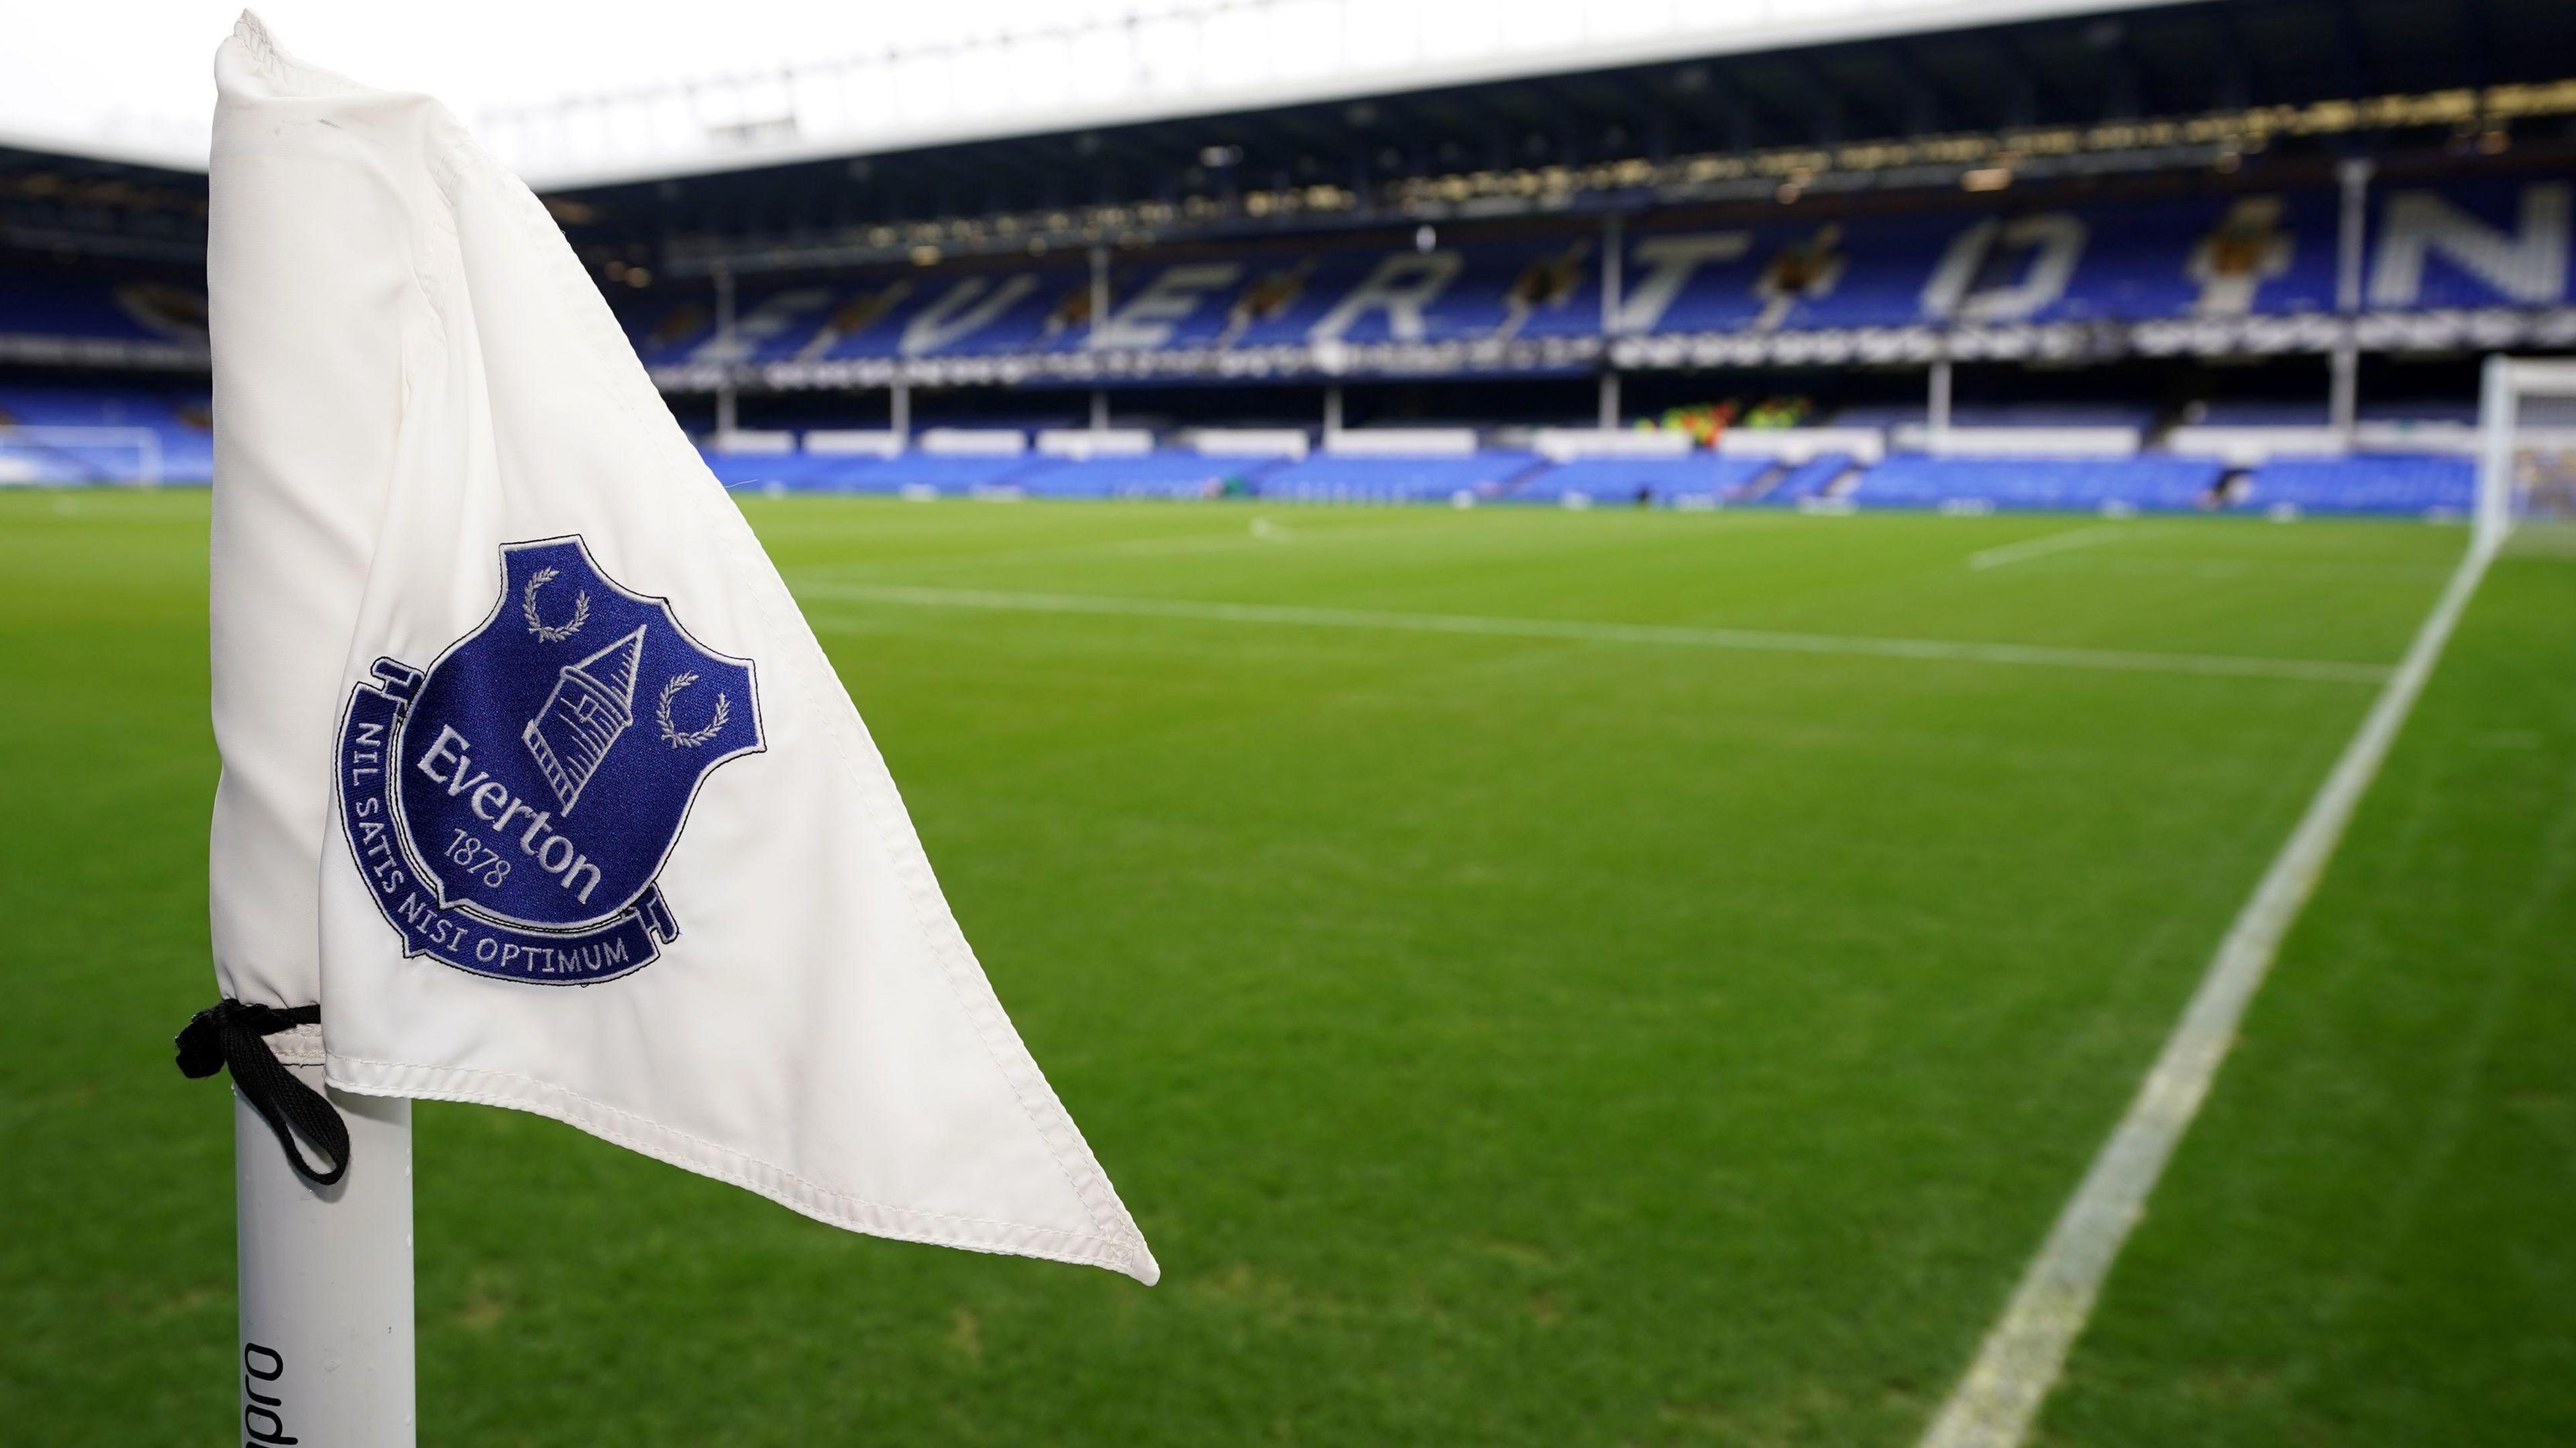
[(512, 804)]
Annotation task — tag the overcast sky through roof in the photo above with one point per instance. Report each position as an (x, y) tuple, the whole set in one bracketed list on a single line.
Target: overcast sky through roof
[(132, 76)]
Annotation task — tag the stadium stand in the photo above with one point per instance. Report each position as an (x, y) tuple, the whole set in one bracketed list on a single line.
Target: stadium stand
[(62, 434), (1702, 479), (2148, 482), (1808, 480), (2400, 484), (2026, 415), (915, 471), (2457, 247), (50, 315), (785, 472), (2383, 484), (1398, 479), (71, 435), (819, 295), (1157, 475)]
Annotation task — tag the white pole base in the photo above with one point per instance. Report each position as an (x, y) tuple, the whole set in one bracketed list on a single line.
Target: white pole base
[(326, 1287)]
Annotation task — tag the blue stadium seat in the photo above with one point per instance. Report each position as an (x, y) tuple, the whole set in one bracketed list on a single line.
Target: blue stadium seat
[(2130, 261), (1155, 475), (1807, 480), (2148, 260), (1396, 480), (1912, 480), (42, 303), (2399, 484), (793, 472), (179, 420), (942, 474), (1654, 480), (864, 473)]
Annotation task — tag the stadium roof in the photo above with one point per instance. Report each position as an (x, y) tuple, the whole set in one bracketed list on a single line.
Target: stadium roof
[(122, 207), (2337, 73), (1246, 56), (572, 94), (1800, 93)]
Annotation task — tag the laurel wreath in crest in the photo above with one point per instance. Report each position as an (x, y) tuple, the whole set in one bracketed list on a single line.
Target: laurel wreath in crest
[(672, 734), (546, 632)]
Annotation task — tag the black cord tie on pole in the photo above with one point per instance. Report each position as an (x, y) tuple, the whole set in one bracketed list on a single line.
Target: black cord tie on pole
[(234, 1034)]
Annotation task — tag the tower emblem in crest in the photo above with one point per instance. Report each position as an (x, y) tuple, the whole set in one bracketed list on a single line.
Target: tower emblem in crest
[(505, 806), (593, 703)]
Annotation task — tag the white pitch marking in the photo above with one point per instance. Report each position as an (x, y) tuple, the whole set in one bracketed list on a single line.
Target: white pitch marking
[(1997, 1401), (1942, 650), (2045, 544), (1263, 531)]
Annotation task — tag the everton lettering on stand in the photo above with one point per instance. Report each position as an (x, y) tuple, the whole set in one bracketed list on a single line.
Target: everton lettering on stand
[(509, 805)]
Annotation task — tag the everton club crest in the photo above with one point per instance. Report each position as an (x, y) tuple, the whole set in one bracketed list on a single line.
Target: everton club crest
[(512, 804)]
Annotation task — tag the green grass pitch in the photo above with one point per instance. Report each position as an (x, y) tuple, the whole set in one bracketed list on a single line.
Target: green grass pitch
[(1506, 1032)]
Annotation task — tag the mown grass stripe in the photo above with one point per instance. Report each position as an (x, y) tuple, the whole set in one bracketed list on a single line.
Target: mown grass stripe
[(2045, 544), (1595, 631), (1995, 1404)]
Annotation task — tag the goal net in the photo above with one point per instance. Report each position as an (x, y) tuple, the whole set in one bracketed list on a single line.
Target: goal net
[(70, 455), (2526, 445)]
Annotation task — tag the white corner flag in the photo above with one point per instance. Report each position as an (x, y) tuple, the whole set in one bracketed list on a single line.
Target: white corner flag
[(535, 778)]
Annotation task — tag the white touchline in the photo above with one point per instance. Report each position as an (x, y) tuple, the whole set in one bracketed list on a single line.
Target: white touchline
[(1997, 1401), (2045, 544), (1943, 650)]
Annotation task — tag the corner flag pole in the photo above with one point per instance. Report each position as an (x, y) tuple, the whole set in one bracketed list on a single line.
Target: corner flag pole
[(326, 1282)]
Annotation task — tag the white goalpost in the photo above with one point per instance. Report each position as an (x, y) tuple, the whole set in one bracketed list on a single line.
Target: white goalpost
[(31, 453), (2526, 445)]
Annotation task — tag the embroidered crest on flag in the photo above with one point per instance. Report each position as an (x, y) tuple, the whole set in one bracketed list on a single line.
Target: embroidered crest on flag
[(513, 803)]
